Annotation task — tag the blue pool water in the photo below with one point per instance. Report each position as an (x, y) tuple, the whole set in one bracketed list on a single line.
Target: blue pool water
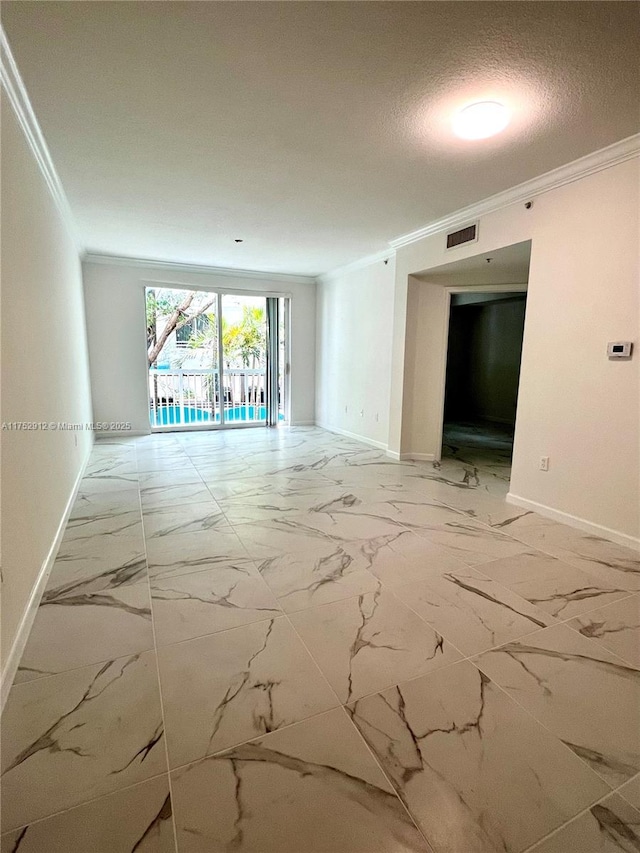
[(169, 415)]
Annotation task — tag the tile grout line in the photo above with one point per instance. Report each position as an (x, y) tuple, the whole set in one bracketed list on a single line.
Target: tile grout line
[(536, 844), (160, 698), (552, 734), (85, 803), (340, 704), (385, 775)]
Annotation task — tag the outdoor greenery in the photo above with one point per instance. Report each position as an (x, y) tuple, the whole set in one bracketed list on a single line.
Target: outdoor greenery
[(244, 342)]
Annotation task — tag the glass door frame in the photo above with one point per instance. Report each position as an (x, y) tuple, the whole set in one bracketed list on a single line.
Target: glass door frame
[(219, 292)]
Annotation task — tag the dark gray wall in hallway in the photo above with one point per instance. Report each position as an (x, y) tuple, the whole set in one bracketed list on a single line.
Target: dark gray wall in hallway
[(483, 361)]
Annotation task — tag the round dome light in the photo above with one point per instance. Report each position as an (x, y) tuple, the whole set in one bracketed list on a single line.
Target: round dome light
[(478, 121)]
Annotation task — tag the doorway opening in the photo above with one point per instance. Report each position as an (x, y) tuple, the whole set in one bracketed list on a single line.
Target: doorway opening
[(483, 370), (216, 360)]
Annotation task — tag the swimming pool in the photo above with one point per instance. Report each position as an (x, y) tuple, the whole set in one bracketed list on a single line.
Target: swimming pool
[(175, 415)]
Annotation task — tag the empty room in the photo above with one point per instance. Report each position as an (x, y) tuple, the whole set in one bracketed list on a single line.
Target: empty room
[(320, 446)]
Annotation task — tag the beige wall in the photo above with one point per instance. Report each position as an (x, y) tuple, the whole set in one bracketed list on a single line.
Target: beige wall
[(44, 373), (115, 306), (574, 405), (353, 352)]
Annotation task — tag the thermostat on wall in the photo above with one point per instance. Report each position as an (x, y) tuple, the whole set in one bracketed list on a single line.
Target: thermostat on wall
[(619, 349)]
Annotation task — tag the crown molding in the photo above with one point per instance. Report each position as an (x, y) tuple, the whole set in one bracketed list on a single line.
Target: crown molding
[(177, 266), (19, 99), (367, 261), (620, 151)]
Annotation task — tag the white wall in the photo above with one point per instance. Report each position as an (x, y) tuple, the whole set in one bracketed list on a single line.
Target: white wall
[(115, 306), (574, 405), (44, 374), (354, 352)]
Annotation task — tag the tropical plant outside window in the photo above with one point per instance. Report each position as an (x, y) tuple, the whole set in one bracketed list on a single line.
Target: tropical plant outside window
[(183, 351)]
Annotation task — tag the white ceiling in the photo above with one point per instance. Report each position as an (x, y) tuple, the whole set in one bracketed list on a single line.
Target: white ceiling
[(509, 265), (314, 131)]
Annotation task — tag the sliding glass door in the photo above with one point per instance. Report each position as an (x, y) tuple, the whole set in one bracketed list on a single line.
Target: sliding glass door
[(244, 358), (216, 359)]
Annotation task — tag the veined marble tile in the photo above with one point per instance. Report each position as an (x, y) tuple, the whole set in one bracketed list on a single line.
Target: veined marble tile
[(610, 563), (208, 601), (149, 458), (167, 462), (136, 819), (631, 791), (108, 526), (153, 479), (101, 466), (471, 542), (320, 572), (611, 826), (185, 519), (367, 643), (284, 502), (483, 507), (104, 503), (107, 483), (170, 556), (275, 537), (160, 450), (314, 461), (236, 468), (113, 447), (345, 527), (227, 688), (75, 736), (475, 771), (313, 787), (576, 688), (616, 626), (96, 564), (75, 629), (551, 585), (401, 557), (154, 497), (490, 460), (472, 611), (448, 475), (410, 511), (259, 488), (374, 475)]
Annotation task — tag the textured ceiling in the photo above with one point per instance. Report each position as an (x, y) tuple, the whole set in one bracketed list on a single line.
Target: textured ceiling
[(314, 131)]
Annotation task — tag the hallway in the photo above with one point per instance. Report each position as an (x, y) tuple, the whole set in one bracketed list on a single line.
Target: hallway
[(281, 641)]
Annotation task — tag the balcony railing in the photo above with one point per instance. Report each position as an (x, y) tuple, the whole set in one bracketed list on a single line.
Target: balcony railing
[(191, 397)]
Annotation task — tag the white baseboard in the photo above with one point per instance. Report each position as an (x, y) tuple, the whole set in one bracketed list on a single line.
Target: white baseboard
[(29, 613), (303, 423), (354, 435), (574, 521), (410, 456), (418, 457)]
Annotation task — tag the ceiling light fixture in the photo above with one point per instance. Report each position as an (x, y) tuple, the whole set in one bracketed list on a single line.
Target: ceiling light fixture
[(478, 121)]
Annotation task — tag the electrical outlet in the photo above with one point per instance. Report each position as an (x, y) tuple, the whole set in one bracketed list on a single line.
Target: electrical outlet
[(361, 413), (345, 410), (377, 418), (544, 463)]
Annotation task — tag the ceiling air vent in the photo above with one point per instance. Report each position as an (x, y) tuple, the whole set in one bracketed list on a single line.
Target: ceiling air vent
[(469, 234)]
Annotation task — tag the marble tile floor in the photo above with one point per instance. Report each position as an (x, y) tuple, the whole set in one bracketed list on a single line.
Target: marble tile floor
[(281, 641), (486, 445)]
